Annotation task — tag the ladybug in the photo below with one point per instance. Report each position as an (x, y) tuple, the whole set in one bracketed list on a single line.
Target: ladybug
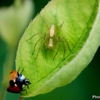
[(17, 82)]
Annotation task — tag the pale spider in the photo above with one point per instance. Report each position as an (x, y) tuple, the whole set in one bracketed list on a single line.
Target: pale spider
[(50, 41)]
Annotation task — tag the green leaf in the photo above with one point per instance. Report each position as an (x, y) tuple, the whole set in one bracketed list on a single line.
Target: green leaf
[(76, 39)]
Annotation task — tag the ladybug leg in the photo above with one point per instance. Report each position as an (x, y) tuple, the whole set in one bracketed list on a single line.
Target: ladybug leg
[(27, 86), (25, 91)]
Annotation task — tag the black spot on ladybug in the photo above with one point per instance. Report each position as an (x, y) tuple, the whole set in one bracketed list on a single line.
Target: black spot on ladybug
[(11, 82)]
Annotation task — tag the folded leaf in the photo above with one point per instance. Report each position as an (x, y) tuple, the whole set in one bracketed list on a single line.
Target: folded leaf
[(58, 44)]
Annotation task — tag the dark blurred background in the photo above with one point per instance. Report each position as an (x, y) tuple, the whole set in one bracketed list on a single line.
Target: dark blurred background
[(83, 87)]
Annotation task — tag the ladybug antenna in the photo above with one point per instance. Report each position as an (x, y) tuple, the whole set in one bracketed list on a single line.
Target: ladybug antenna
[(18, 69), (22, 71)]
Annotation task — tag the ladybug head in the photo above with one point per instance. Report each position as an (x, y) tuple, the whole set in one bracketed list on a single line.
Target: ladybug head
[(20, 78), (27, 81), (21, 81)]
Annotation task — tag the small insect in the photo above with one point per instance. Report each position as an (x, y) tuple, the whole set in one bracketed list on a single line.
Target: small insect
[(51, 40), (17, 82)]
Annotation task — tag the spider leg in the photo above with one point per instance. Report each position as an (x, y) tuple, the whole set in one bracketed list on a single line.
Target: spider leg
[(67, 43), (60, 27), (62, 40), (55, 54), (61, 24), (36, 44), (57, 50), (40, 48), (45, 22), (32, 36), (64, 49)]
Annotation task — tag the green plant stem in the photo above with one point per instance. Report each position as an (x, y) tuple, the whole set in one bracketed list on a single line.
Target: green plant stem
[(21, 98), (6, 70)]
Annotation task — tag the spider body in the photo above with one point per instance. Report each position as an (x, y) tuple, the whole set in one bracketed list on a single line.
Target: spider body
[(51, 40)]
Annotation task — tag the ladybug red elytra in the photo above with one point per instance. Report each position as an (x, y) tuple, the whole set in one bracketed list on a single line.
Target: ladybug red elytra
[(17, 82)]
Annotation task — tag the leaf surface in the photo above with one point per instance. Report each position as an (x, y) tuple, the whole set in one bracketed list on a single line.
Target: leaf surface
[(75, 41)]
